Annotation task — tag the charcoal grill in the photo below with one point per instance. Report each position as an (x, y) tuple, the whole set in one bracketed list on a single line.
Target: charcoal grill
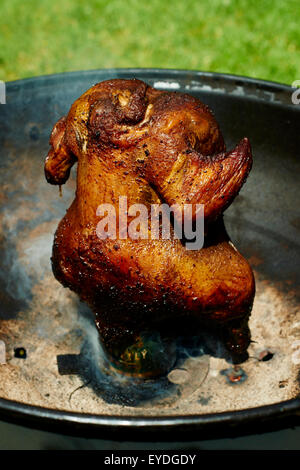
[(55, 375)]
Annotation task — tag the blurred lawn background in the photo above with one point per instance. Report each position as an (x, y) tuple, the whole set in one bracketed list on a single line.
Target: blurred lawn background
[(254, 38)]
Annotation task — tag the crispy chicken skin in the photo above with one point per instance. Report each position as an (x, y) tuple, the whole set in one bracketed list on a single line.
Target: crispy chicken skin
[(153, 147)]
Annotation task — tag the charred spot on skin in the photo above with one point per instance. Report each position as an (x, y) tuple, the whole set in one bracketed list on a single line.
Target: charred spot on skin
[(20, 353), (234, 375)]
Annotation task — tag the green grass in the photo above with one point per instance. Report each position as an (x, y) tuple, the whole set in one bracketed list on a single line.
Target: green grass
[(255, 38)]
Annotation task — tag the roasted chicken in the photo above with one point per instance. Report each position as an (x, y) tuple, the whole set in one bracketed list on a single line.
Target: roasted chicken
[(153, 147)]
